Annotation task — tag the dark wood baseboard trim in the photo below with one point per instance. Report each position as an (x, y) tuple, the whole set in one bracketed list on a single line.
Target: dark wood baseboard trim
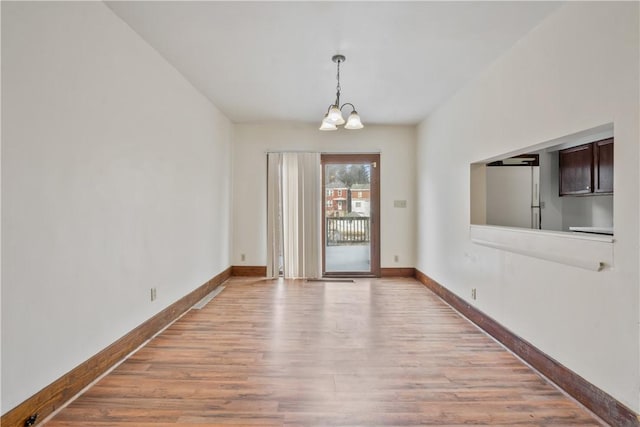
[(53, 396), (398, 272), (598, 401), (249, 270)]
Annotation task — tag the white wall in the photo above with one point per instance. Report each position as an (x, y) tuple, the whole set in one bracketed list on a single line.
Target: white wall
[(0, 226), (115, 179), (396, 145), (575, 71)]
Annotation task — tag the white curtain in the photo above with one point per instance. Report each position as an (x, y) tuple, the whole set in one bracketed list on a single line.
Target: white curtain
[(293, 215), (274, 217)]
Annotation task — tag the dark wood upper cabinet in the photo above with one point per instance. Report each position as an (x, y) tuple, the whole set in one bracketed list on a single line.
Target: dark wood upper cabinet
[(603, 166), (576, 165), (587, 169)]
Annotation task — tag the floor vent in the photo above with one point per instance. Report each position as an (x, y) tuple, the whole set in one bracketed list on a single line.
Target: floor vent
[(204, 301)]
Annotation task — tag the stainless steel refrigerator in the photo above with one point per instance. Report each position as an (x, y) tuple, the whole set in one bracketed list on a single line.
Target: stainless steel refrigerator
[(513, 196)]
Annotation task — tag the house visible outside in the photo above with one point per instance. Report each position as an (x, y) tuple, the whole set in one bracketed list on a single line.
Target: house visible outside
[(361, 199), (347, 189), (336, 199)]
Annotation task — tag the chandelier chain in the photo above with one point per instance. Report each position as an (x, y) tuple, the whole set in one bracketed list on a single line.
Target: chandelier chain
[(338, 78)]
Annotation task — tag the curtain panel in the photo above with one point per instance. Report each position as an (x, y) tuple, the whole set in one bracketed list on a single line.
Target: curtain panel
[(293, 215)]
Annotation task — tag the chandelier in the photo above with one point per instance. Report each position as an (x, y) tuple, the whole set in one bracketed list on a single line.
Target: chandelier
[(333, 118)]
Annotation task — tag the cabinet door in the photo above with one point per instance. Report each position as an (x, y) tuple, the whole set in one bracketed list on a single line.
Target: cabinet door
[(576, 165), (603, 166)]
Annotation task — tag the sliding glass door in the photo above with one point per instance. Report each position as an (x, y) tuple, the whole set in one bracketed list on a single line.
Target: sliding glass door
[(351, 206)]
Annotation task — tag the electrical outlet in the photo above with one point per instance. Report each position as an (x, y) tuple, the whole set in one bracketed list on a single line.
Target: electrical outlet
[(153, 294), (396, 258), (242, 257), (473, 293)]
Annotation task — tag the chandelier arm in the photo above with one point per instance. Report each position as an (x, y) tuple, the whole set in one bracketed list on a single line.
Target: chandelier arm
[(348, 103)]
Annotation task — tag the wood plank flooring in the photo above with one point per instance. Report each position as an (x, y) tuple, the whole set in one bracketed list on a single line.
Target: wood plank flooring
[(296, 353)]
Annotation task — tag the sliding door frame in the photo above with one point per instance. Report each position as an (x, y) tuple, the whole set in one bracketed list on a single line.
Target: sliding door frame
[(374, 160)]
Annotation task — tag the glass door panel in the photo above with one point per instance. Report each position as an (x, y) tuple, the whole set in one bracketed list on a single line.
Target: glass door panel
[(349, 211)]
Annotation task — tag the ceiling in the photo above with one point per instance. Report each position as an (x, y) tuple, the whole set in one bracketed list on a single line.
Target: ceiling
[(262, 61)]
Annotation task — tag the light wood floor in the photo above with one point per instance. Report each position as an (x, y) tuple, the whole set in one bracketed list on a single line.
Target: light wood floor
[(274, 353)]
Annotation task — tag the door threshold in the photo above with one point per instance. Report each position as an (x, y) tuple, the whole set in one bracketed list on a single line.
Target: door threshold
[(331, 279), (350, 275)]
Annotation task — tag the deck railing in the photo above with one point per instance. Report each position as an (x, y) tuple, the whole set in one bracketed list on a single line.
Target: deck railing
[(346, 231)]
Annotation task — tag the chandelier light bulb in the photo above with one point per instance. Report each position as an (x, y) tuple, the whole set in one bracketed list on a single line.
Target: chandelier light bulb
[(335, 115), (327, 125), (353, 122)]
